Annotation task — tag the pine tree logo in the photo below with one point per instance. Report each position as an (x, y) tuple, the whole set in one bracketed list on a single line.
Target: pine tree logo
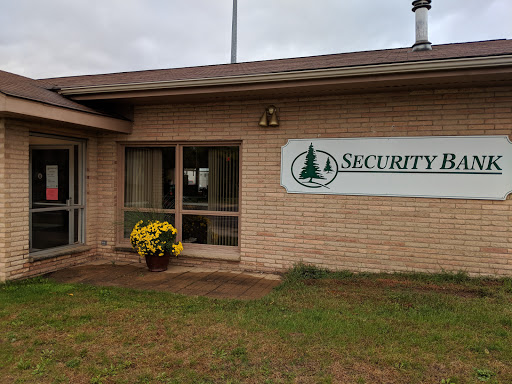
[(328, 167), (310, 170), (307, 172)]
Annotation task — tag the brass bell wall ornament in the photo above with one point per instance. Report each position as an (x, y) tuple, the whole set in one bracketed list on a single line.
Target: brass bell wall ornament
[(269, 117)]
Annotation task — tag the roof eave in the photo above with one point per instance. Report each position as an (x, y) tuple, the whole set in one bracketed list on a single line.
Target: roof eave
[(419, 68), (28, 109)]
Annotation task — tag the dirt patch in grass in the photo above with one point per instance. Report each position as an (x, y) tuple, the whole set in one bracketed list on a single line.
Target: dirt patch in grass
[(337, 287), (364, 372)]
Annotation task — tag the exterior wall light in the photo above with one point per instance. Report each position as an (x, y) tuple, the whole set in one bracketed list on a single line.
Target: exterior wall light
[(269, 117)]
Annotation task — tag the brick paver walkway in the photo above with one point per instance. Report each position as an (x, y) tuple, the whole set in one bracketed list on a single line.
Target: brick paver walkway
[(191, 281)]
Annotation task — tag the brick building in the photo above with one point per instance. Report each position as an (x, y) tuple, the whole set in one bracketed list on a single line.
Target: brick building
[(80, 156)]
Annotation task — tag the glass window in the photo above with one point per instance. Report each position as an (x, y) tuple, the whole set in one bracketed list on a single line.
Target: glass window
[(150, 187), (210, 178), (50, 229), (50, 172), (215, 230), (149, 178), (207, 211), (132, 217)]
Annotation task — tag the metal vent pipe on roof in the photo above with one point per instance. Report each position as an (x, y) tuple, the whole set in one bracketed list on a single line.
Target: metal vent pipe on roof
[(421, 8)]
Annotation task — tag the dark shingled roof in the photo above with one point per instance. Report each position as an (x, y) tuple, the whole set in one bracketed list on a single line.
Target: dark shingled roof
[(45, 90), (29, 89), (387, 56)]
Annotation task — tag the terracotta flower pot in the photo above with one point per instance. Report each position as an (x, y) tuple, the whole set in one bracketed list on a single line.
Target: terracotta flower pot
[(157, 263)]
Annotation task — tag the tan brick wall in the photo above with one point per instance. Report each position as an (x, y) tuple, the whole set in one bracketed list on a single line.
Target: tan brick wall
[(107, 192), (279, 229), (345, 232), (14, 201), (3, 233)]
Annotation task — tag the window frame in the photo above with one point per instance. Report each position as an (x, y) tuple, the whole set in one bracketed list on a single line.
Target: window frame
[(191, 249)]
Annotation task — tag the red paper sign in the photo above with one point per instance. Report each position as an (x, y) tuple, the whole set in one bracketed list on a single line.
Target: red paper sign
[(52, 193)]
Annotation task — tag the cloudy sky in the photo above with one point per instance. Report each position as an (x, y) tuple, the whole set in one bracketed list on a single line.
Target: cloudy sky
[(73, 37)]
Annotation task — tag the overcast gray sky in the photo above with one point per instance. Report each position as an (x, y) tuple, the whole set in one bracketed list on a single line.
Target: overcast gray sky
[(74, 37)]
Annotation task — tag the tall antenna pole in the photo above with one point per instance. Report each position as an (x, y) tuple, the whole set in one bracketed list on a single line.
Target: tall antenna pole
[(233, 33)]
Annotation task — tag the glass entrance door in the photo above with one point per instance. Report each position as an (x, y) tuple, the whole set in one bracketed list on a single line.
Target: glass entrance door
[(55, 196)]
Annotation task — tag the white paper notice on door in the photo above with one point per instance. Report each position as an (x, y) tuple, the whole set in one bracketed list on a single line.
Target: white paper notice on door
[(52, 176)]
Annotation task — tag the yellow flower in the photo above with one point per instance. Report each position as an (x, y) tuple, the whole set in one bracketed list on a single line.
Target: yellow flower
[(154, 237)]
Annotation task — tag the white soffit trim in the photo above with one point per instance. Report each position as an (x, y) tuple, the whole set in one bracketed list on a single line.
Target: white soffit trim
[(378, 69)]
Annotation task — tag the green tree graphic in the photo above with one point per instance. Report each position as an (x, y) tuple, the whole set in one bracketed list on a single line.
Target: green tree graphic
[(310, 169), (328, 167)]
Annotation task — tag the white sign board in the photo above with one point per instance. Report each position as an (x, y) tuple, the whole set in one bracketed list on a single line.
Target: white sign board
[(463, 167), (52, 176)]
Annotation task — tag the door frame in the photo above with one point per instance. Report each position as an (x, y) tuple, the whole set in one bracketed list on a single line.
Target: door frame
[(70, 207)]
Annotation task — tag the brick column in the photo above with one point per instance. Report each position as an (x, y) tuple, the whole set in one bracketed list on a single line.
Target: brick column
[(14, 200)]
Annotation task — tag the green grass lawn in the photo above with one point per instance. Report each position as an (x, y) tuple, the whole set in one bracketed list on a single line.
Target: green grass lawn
[(317, 327)]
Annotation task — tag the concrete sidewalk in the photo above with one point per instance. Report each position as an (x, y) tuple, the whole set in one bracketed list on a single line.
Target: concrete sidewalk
[(191, 281)]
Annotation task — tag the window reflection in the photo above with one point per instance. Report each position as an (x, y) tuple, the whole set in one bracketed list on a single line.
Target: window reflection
[(133, 217), (210, 178), (214, 230), (50, 229)]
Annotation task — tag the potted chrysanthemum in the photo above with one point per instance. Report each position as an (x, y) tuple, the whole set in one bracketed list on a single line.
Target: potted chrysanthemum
[(155, 241)]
